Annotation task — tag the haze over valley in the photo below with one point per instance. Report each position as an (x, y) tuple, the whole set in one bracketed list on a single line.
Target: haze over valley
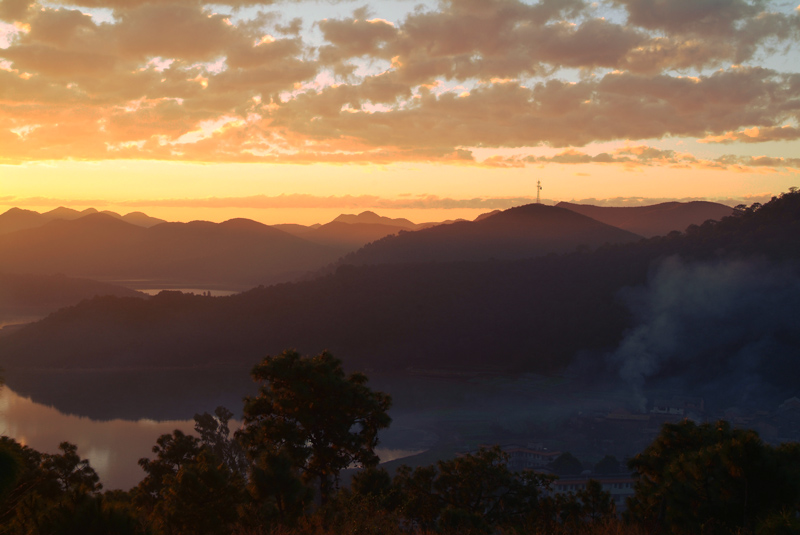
[(504, 314)]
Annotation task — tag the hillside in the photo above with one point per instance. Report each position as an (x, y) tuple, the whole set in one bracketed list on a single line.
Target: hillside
[(36, 295), (371, 218), (522, 232), (725, 313), (654, 220), (238, 253), (349, 237), (18, 219)]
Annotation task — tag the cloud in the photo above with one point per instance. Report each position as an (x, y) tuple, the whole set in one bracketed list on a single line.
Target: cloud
[(149, 81), (644, 155), (419, 202), (309, 201), (690, 16), (756, 135)]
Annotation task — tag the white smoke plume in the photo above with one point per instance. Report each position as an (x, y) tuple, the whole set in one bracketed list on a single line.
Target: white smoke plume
[(726, 322)]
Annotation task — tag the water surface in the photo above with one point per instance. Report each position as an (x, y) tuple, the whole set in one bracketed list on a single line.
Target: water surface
[(113, 447)]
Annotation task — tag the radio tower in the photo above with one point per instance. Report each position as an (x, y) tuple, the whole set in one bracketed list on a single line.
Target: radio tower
[(538, 191)]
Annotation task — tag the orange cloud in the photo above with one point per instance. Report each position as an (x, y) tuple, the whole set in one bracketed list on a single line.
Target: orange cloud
[(462, 74), (756, 135)]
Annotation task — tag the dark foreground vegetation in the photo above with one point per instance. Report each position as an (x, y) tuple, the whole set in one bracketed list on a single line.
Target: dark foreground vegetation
[(280, 474)]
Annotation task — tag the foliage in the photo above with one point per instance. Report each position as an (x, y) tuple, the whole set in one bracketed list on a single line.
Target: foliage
[(216, 435), (187, 489), (473, 493), (712, 478), (54, 494), (566, 464), (277, 491), (310, 414), (608, 465)]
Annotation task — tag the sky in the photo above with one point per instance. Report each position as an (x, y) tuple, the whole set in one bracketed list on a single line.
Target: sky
[(298, 110)]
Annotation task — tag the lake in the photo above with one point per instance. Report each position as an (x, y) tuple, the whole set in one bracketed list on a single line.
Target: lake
[(113, 447)]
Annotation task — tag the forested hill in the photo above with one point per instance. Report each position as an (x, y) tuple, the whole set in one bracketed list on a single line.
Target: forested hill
[(521, 232), (38, 295), (655, 220), (531, 314)]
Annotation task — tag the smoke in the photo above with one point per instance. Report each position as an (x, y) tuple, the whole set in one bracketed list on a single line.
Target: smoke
[(727, 328)]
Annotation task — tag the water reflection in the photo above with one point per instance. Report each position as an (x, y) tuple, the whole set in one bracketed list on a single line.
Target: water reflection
[(196, 291), (113, 447), (9, 320)]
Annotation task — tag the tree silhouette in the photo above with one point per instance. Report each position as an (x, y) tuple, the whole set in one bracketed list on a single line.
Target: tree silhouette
[(608, 465), (472, 493), (187, 489), (566, 464), (215, 434), (51, 493), (712, 478), (309, 412)]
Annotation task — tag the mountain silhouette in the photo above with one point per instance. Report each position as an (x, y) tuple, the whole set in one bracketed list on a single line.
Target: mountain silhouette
[(521, 232), (139, 219), (350, 236), (68, 214), (30, 295), (373, 218), (238, 253), (18, 219), (654, 220), (294, 229), (533, 314), (487, 214)]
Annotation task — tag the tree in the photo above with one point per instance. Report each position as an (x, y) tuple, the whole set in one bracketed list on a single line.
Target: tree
[(309, 412), (471, 493), (277, 492), (608, 465), (712, 478), (53, 493), (187, 488), (596, 504), (216, 435), (566, 464)]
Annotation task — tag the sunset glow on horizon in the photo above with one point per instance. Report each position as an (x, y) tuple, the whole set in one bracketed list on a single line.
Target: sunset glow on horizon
[(297, 111)]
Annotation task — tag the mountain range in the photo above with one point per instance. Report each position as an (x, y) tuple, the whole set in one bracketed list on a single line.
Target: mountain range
[(525, 314), (521, 232), (562, 312), (655, 220), (239, 253), (18, 219)]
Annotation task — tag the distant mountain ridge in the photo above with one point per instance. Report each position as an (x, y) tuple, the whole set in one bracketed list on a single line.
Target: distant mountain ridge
[(45, 294), (654, 220), (521, 232), (526, 315), (239, 252), (244, 253), (19, 219), (532, 314), (374, 219)]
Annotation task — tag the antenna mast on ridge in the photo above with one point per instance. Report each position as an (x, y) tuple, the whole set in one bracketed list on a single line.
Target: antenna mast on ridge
[(538, 191)]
